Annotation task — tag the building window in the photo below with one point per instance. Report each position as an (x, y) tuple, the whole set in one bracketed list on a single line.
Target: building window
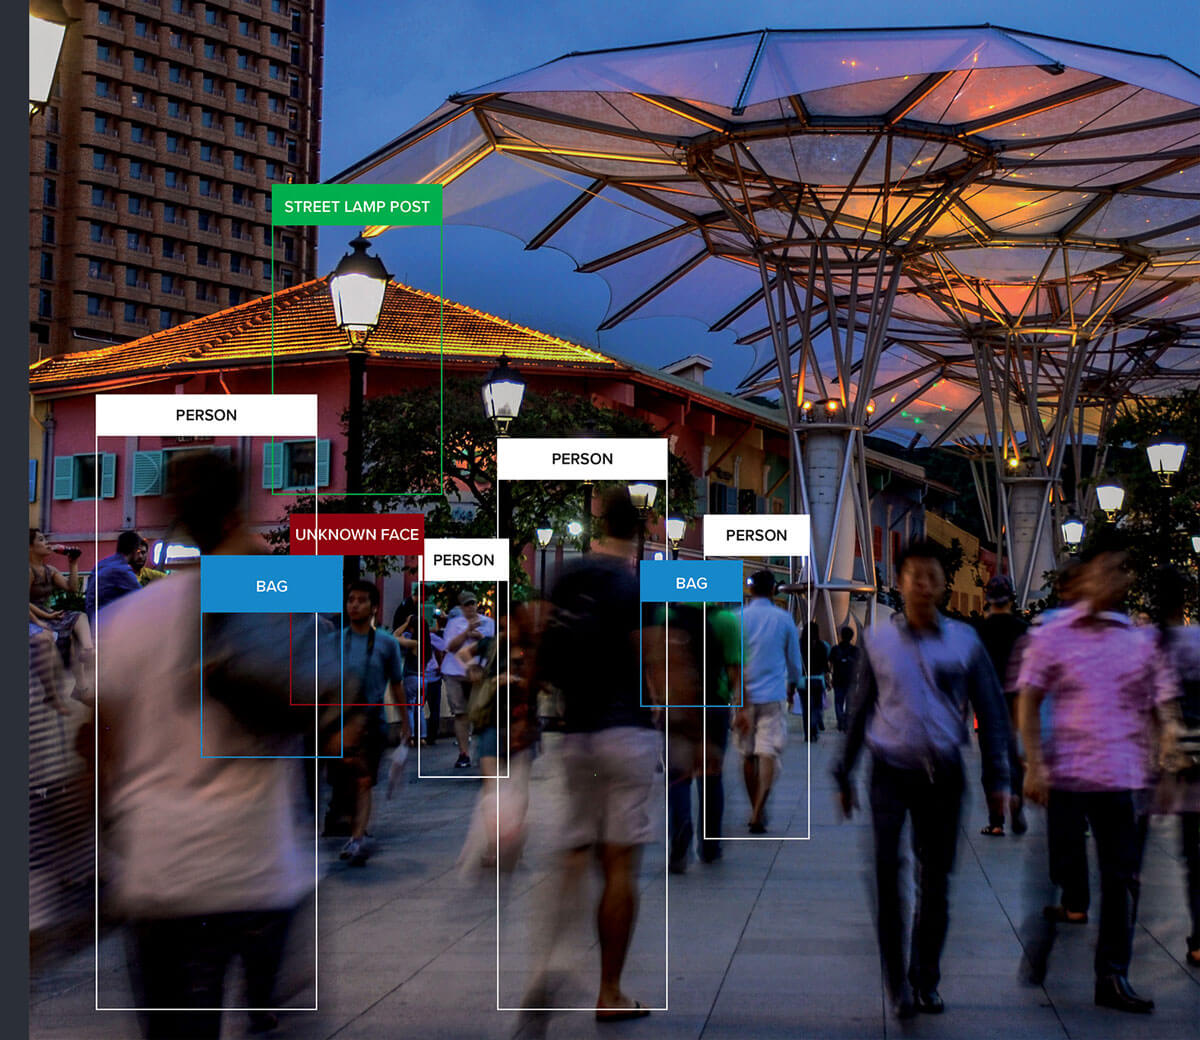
[(176, 110), (239, 161), (276, 38), (102, 88), (138, 99), (99, 159), (100, 124), (204, 186), (171, 178), (178, 41), (45, 303), (203, 220), (243, 27), (241, 94), (235, 297), (137, 133), (206, 153), (202, 256), (131, 276), (48, 267), (289, 248), (242, 197), (274, 103), (293, 86), (179, 6), (75, 476), (292, 465), (94, 304), (208, 117), (140, 63), (210, 85), (235, 263), (95, 231), (170, 214), (104, 16), (137, 169), (104, 52), (294, 54), (48, 229), (141, 28), (133, 240), (168, 283), (49, 192), (172, 142), (274, 70), (169, 248), (165, 320), (131, 312), (95, 270), (135, 205), (243, 60), (277, 6), (237, 229), (239, 127), (175, 73), (51, 162), (273, 137), (295, 13), (210, 50)]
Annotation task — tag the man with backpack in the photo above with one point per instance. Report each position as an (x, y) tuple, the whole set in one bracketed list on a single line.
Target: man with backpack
[(843, 659)]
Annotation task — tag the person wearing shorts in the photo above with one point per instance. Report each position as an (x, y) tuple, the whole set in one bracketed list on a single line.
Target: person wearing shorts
[(773, 664)]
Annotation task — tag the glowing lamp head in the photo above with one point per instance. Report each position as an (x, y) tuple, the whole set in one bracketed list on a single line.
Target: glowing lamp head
[(544, 534), (831, 405), (502, 395), (870, 408), (1196, 544), (675, 529), (642, 496), (574, 528), (1014, 461), (1166, 459), (357, 287), (1072, 531), (807, 406), (1110, 498)]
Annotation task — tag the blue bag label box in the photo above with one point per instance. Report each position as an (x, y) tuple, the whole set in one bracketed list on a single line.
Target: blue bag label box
[(270, 584), (688, 581)]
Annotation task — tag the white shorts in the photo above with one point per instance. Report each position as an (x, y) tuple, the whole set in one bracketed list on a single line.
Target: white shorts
[(611, 786), (767, 734)]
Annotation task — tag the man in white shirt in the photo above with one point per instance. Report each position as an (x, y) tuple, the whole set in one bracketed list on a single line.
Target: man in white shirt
[(462, 634)]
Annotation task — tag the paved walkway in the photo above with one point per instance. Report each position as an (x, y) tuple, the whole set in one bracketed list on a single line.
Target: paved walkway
[(775, 940)]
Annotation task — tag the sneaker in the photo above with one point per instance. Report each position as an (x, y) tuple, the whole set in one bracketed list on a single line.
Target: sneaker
[(359, 857), (351, 849), (463, 762)]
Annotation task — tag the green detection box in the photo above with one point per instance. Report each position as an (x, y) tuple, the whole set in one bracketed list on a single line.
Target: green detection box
[(393, 205)]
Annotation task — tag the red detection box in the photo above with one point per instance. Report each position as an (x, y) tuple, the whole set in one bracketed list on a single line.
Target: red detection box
[(357, 534)]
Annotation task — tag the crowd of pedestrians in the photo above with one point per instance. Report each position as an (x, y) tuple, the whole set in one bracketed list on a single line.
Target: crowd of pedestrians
[(1085, 715)]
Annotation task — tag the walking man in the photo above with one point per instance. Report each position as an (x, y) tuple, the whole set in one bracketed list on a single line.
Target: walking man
[(843, 659), (773, 664), (1103, 678), (464, 630), (914, 680)]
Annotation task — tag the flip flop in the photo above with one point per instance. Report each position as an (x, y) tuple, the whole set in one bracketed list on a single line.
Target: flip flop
[(993, 830), (639, 1010)]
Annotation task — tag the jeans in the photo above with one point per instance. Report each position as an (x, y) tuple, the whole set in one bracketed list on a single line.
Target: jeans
[(933, 802), (181, 963), (812, 700), (412, 697), (1016, 770), (1120, 833), (710, 789)]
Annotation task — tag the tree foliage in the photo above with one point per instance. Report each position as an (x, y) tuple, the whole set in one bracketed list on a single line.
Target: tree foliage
[(1158, 521)]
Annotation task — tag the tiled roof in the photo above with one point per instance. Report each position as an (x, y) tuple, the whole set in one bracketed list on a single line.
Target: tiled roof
[(413, 324)]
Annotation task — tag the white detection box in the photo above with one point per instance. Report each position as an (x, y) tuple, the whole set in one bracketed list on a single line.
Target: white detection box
[(784, 534), (206, 415), (581, 458), (466, 559)]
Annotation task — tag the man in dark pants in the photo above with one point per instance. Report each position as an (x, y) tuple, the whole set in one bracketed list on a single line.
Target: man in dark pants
[(914, 680), (1103, 678), (1001, 631), (843, 659)]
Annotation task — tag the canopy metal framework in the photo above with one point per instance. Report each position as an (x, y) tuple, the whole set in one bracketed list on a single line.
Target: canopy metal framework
[(974, 235)]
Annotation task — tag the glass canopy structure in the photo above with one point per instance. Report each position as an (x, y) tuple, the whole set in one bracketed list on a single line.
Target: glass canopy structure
[(967, 235)]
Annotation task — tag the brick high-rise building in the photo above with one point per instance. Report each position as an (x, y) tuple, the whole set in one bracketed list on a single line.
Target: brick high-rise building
[(151, 167)]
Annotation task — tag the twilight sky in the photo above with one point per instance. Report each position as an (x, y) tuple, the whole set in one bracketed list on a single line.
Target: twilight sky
[(389, 64)]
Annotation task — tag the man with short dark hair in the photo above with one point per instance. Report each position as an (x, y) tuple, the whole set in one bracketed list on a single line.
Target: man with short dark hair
[(915, 678), (114, 576), (1103, 678), (773, 664), (463, 634), (842, 661), (1000, 631)]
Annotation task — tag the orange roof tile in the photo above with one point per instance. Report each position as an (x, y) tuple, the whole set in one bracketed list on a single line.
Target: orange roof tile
[(413, 324)]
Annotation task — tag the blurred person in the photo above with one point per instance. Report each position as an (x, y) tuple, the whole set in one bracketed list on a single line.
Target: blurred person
[(815, 654), (412, 634), (207, 857), (915, 679), (465, 630), (372, 657), (773, 666), (46, 668), (1179, 788), (67, 625), (610, 749), (503, 715), (114, 576), (1103, 677), (145, 574), (843, 659), (1001, 631)]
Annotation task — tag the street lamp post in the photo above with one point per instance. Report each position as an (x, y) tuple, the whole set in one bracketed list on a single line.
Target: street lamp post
[(357, 287), (544, 536), (1166, 458), (1072, 531), (675, 531), (502, 395), (642, 495), (48, 23), (1110, 498)]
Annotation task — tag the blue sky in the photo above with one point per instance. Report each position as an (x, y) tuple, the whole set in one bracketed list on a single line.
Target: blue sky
[(388, 64)]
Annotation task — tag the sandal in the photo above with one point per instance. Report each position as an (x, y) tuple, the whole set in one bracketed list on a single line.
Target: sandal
[(993, 830), (1064, 916)]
